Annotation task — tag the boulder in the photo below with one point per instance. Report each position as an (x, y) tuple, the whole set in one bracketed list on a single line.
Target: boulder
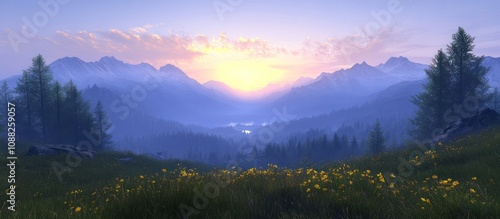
[(481, 120), (50, 149)]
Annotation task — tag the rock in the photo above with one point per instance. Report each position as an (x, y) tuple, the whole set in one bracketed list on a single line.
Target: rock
[(479, 121), (50, 149)]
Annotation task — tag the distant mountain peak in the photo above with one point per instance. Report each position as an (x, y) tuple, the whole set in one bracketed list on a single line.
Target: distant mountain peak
[(68, 60), (361, 67), (397, 60), (109, 60), (170, 68)]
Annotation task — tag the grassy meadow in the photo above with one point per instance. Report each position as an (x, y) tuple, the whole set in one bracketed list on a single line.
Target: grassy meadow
[(459, 179)]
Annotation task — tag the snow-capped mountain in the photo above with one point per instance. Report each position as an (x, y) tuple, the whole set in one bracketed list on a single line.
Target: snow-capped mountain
[(403, 69), (108, 72)]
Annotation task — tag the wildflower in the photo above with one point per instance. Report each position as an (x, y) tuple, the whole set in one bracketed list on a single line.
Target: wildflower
[(391, 185), (141, 176), (153, 182), (474, 178), (392, 175), (425, 200), (455, 183), (443, 182), (78, 209), (317, 186), (308, 190), (121, 180), (440, 144), (434, 177), (472, 191), (164, 170), (117, 186)]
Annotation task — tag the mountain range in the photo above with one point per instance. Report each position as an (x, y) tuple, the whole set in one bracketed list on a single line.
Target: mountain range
[(169, 94)]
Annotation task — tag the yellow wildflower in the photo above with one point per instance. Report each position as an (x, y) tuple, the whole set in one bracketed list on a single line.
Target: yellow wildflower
[(474, 178), (472, 191), (164, 170), (425, 200), (141, 176), (78, 209), (434, 177)]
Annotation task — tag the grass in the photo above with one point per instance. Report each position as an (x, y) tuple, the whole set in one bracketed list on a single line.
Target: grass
[(457, 180)]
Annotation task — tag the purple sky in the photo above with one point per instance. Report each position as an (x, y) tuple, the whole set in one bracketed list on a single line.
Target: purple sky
[(246, 44)]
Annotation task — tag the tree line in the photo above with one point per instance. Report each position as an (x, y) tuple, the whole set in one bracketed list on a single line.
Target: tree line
[(51, 113), (316, 148)]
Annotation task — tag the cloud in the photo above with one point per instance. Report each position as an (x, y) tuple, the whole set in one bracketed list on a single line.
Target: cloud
[(251, 47), (141, 44), (361, 46)]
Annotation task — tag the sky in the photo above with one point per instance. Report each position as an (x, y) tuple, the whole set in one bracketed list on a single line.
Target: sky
[(246, 44)]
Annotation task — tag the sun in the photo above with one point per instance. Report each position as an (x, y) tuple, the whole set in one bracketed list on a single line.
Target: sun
[(247, 75)]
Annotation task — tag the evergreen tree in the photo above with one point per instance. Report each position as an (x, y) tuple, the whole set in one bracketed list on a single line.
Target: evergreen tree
[(467, 72), (77, 116), (495, 100), (336, 142), (435, 100), (24, 106), (354, 143), (344, 141), (376, 141), (102, 126), (40, 72), (57, 96), (5, 97), (454, 78)]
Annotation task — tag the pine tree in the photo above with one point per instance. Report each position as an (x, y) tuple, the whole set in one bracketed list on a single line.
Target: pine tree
[(344, 141), (336, 143), (5, 97), (376, 141), (454, 78), (495, 100), (354, 143), (56, 110), (25, 99), (42, 77), (435, 100), (102, 126), (467, 72), (77, 116)]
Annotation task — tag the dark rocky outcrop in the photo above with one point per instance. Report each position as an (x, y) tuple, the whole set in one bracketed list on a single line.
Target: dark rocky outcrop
[(481, 120), (49, 149)]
